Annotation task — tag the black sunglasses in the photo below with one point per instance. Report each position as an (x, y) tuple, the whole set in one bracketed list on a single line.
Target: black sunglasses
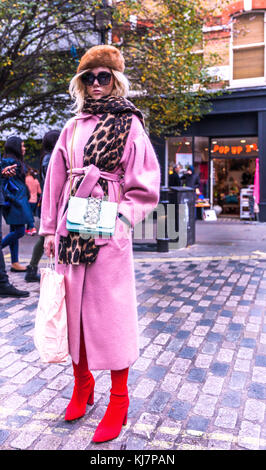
[(103, 78)]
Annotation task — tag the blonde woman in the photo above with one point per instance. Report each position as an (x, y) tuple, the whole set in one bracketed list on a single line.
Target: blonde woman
[(112, 154)]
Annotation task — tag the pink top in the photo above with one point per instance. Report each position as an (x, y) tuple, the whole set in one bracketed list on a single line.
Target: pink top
[(34, 188)]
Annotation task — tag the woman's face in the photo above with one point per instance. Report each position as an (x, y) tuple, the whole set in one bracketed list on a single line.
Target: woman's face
[(23, 149), (97, 91)]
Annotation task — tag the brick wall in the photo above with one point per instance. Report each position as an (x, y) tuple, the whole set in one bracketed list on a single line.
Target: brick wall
[(217, 33)]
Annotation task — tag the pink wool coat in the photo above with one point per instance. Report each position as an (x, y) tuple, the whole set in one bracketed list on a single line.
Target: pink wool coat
[(102, 295)]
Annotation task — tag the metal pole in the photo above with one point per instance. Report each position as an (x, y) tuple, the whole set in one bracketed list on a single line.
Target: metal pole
[(103, 36)]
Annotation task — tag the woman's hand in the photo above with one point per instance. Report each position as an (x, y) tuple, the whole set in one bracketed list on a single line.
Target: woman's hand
[(49, 245), (9, 171)]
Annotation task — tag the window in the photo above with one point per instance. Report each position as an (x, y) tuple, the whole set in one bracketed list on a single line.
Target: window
[(248, 47), (179, 152)]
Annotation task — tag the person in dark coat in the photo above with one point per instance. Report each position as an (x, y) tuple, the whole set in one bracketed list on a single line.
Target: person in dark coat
[(174, 178), (48, 143), (17, 211), (6, 288), (191, 179)]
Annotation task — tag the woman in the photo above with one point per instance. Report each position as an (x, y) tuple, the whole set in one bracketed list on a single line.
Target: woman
[(17, 211), (48, 143), (6, 289), (110, 151), (35, 191)]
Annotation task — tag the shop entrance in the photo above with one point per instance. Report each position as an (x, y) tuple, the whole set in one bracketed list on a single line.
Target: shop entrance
[(232, 173)]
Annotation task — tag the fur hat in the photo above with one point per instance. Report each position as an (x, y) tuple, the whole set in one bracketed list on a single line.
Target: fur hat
[(102, 56)]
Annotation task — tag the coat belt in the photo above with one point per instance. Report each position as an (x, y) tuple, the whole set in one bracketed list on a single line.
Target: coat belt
[(91, 176), (107, 175)]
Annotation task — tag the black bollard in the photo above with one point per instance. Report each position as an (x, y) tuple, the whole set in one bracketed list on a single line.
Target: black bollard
[(162, 236)]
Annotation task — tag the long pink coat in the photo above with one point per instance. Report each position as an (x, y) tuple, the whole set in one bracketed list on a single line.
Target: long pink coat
[(102, 295)]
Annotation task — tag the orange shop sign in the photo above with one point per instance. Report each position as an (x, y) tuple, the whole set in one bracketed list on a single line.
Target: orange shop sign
[(234, 149)]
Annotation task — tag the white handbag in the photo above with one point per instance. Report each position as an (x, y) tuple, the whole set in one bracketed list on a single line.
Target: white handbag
[(90, 215)]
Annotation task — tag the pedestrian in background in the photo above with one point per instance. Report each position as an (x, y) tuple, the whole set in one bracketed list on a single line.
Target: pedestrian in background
[(17, 211), (35, 191), (191, 179), (174, 178), (48, 143), (111, 153), (6, 288)]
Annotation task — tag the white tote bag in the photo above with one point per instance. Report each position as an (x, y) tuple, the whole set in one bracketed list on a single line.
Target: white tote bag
[(50, 334)]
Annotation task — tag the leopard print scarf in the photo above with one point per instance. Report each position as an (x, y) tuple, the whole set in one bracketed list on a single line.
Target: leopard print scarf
[(104, 149)]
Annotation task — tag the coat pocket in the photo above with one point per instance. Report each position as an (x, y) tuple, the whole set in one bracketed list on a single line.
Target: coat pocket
[(122, 236)]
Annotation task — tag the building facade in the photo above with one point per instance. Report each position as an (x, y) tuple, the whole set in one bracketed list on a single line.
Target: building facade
[(228, 146)]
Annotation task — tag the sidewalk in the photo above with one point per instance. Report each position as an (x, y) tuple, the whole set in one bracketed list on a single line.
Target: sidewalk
[(200, 381)]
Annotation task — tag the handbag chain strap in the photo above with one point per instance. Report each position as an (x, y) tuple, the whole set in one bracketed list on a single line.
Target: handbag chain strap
[(71, 158), (71, 164)]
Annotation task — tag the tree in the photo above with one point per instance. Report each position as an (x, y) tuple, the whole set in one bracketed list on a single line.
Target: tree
[(163, 47), (40, 43)]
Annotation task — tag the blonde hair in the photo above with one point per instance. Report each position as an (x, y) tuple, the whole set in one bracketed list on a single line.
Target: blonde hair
[(77, 89)]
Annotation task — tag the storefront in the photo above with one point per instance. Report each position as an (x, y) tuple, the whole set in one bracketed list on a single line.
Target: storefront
[(226, 168), (227, 149)]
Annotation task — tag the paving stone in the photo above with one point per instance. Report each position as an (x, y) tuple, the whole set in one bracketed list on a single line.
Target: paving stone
[(156, 373), (258, 375), (180, 365), (4, 434), (171, 382), (158, 402), (225, 355), (28, 435), (146, 424), (248, 343), (135, 407), (144, 388), (260, 361), (209, 348), (48, 442), (219, 368), (205, 405), (198, 423), (213, 385), (179, 410), (32, 387), (226, 418), (254, 410), (187, 352), (238, 380), (257, 390), (232, 399), (188, 392), (165, 358), (197, 375), (249, 435), (242, 365), (13, 369)]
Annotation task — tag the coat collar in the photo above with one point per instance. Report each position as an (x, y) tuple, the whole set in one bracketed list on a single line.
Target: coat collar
[(83, 116)]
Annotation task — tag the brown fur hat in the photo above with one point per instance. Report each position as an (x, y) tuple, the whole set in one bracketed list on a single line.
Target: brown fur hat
[(102, 56)]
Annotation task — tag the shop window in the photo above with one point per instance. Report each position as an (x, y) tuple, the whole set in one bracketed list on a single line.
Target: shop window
[(248, 47), (201, 162), (232, 173), (180, 153)]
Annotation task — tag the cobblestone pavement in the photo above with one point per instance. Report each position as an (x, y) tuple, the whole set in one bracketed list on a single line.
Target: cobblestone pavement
[(200, 380)]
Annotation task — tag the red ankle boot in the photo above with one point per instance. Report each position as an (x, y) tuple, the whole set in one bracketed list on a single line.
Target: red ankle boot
[(83, 392), (116, 414)]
